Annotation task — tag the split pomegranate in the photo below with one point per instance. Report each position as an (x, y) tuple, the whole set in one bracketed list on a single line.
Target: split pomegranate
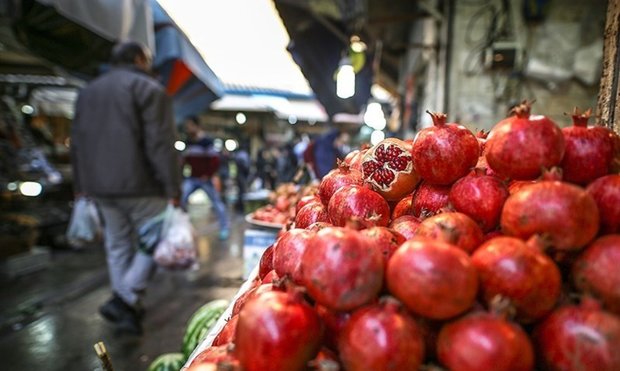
[(589, 150), (385, 240), (310, 214), (429, 200), (432, 278), (342, 271), (355, 203), (288, 251), (277, 331), (444, 152), (606, 193), (305, 201), (334, 180), (406, 225), (484, 341), (227, 335), (596, 271), (454, 228), (579, 338), (333, 322), (564, 215), (266, 262), (520, 146), (403, 207), (481, 197), (388, 167), (381, 337), (520, 272)]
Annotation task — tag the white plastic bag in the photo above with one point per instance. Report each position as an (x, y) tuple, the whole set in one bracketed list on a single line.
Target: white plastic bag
[(85, 224), (177, 246)]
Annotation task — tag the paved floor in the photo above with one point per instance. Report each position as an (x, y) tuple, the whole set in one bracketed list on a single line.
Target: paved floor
[(49, 320)]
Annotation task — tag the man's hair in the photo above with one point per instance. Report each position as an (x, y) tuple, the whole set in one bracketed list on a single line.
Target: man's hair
[(125, 52)]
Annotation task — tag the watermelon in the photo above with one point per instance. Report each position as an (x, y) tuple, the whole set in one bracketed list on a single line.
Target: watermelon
[(200, 323), (168, 362)]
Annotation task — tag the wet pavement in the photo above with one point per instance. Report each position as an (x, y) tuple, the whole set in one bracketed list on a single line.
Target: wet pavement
[(49, 319)]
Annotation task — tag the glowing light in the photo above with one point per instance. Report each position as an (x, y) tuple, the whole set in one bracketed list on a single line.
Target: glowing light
[(11, 186), (345, 79), (179, 145), (27, 109), (240, 118), (30, 189), (374, 116), (231, 145), (292, 120), (376, 137), (357, 45)]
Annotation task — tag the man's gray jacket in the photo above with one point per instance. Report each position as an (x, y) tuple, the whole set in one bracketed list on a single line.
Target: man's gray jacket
[(122, 138)]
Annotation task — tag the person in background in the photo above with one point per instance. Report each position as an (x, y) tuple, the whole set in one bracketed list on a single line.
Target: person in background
[(243, 163), (204, 162), (123, 156), (326, 149)]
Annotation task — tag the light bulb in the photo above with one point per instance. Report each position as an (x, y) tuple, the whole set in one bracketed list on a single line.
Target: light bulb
[(345, 81)]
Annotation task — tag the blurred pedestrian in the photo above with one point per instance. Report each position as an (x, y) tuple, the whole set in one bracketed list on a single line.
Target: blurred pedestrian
[(327, 148), (122, 150), (243, 163), (204, 162)]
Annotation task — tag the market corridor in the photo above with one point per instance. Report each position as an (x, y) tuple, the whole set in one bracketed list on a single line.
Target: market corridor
[(49, 319)]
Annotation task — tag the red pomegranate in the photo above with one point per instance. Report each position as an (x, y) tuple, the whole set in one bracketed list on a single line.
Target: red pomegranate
[(432, 278), (310, 214), (305, 200), (384, 239), (429, 199), (483, 165), (315, 227), (520, 146), (360, 204), (481, 197), (388, 167), (565, 215), (355, 158), (454, 228), (266, 262), (579, 338), (444, 152), (334, 322), (403, 207), (341, 176), (516, 185), (381, 337), (227, 334), (406, 225), (243, 298), (270, 277), (342, 271), (606, 193), (519, 272), (288, 250), (589, 150), (277, 331), (215, 355), (484, 341), (595, 272)]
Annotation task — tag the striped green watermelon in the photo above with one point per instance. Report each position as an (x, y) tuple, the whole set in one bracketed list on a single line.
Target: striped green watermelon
[(200, 323), (168, 362)]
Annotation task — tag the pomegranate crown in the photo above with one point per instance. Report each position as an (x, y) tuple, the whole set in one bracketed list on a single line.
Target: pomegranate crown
[(579, 118), (438, 118), (523, 109)]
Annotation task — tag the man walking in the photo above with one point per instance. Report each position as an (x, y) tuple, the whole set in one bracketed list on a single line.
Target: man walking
[(123, 156)]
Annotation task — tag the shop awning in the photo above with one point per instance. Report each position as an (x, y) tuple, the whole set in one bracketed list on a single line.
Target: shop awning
[(284, 108)]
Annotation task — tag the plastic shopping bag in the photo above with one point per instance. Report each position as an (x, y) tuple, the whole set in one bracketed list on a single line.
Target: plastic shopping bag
[(85, 224), (177, 247)]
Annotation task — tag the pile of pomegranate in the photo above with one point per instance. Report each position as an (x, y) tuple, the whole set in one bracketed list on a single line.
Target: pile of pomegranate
[(450, 251), (283, 201)]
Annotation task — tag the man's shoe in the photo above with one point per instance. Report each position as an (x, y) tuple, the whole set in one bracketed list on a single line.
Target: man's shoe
[(113, 309), (130, 323)]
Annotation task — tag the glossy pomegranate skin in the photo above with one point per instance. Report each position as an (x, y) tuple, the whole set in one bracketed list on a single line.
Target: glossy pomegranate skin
[(277, 331), (565, 215), (589, 151), (384, 239), (337, 178), (270, 277), (595, 272), (333, 322), (246, 296), (606, 193), (354, 159), (403, 207), (310, 214), (509, 267), (579, 338), (305, 201), (315, 227), (359, 204), (433, 279), (483, 341), (342, 271), (429, 200), (227, 335), (444, 152), (481, 197), (288, 251), (406, 225), (266, 262), (454, 228), (381, 337), (388, 167)]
